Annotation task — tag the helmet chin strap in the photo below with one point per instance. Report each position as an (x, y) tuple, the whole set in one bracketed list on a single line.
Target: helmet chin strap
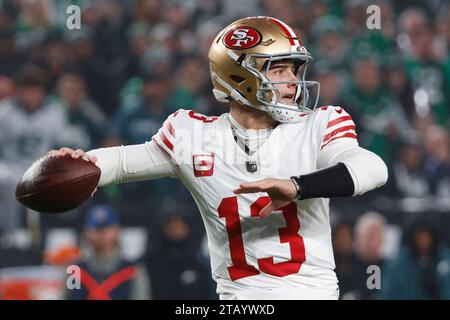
[(281, 115)]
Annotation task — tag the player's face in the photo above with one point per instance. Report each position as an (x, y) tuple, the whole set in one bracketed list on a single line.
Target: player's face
[(284, 71), (103, 240)]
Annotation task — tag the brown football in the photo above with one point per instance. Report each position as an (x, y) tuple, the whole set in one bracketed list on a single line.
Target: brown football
[(57, 184)]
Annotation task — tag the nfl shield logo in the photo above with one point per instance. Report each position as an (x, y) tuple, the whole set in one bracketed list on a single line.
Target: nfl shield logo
[(203, 164)]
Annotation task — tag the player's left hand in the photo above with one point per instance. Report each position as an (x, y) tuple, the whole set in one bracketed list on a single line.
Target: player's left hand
[(281, 192)]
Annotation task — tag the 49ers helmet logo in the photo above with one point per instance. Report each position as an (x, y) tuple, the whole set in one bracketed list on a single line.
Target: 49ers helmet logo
[(242, 38)]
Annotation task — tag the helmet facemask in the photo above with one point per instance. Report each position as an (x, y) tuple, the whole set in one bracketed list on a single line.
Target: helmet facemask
[(268, 95)]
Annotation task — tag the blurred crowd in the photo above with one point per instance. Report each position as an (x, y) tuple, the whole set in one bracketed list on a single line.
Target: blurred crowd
[(132, 63)]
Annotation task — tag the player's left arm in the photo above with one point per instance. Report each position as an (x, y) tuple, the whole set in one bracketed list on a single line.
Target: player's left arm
[(345, 169)]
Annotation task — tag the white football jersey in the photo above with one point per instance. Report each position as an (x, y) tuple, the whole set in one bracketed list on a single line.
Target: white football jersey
[(291, 247)]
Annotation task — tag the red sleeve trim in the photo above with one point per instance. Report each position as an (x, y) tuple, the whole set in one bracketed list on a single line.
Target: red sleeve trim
[(338, 120), (166, 141), (335, 132), (170, 128), (347, 135)]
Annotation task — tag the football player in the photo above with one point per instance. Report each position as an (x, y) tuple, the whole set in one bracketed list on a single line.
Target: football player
[(262, 174)]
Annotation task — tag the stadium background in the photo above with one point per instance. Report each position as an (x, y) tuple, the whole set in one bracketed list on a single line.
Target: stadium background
[(133, 63)]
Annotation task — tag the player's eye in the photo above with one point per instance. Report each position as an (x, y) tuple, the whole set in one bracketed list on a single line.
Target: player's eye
[(277, 70)]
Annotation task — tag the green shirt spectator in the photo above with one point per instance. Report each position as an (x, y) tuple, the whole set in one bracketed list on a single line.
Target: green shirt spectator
[(381, 118)]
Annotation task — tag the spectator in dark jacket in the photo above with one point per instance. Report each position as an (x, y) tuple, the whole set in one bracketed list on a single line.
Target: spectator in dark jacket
[(422, 268), (174, 267), (348, 266)]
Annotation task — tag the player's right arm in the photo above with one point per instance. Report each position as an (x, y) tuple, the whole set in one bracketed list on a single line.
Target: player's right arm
[(148, 161), (125, 163)]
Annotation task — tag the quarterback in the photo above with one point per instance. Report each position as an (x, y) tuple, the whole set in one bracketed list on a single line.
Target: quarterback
[(262, 174)]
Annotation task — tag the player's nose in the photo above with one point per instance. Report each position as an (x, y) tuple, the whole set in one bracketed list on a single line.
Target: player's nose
[(292, 85), (292, 76)]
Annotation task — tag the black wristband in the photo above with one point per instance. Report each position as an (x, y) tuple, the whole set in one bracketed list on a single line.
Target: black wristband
[(334, 181), (297, 186)]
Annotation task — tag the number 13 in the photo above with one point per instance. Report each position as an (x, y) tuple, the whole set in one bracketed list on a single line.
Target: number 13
[(228, 209)]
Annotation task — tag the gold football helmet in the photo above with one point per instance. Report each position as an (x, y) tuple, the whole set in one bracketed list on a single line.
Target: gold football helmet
[(240, 57)]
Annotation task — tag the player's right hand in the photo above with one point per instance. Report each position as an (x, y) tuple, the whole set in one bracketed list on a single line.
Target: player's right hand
[(75, 154), (280, 191)]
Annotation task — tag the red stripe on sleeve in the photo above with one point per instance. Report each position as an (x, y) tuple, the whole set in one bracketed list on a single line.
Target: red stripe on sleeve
[(338, 120), (166, 141), (171, 129), (166, 154), (335, 132), (347, 135), (162, 149)]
